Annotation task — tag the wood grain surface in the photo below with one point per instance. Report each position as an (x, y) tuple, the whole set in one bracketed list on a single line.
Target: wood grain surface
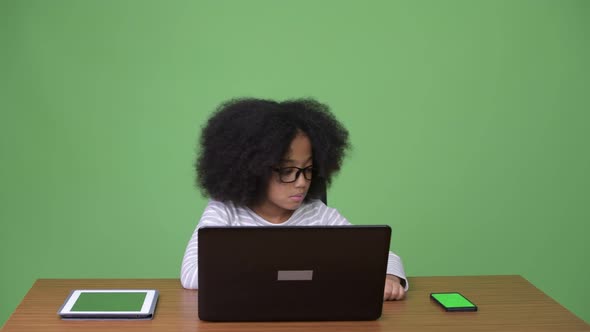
[(506, 303)]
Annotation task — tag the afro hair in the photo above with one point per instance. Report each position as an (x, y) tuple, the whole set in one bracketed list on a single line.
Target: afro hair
[(245, 138)]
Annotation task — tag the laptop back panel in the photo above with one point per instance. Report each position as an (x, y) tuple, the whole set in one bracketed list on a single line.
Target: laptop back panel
[(292, 273)]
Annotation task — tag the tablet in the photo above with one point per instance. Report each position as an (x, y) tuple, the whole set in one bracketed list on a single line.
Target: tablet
[(110, 304)]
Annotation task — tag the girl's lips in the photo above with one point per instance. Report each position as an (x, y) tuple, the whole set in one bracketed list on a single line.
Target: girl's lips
[(297, 198)]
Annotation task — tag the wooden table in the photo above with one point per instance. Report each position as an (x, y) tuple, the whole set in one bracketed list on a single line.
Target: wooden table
[(506, 303)]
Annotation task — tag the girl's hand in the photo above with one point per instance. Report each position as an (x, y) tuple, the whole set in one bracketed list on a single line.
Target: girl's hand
[(393, 288)]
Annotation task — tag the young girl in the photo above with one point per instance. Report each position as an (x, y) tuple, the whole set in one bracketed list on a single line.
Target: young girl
[(266, 163)]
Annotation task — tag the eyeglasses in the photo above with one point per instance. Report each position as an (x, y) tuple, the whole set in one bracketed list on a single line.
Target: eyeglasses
[(291, 174)]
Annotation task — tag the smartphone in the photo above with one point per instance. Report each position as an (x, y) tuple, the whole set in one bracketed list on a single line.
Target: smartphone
[(453, 301)]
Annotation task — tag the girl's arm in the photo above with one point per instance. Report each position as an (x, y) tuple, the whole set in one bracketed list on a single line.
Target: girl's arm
[(215, 214)]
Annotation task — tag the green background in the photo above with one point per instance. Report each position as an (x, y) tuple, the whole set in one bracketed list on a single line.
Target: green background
[(469, 121)]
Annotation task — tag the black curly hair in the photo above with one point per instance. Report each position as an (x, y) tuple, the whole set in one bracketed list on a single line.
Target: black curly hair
[(245, 138)]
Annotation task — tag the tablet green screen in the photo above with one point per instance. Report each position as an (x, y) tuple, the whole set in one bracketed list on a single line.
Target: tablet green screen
[(110, 302)]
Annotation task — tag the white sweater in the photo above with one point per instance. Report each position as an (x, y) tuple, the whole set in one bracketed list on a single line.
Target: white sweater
[(314, 213)]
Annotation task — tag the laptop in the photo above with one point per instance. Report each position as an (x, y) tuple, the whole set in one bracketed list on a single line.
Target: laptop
[(306, 273)]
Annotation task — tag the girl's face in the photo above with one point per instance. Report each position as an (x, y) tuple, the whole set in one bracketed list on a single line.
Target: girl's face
[(283, 198)]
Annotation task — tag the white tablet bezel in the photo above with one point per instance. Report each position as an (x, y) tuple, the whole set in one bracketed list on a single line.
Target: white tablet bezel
[(145, 308)]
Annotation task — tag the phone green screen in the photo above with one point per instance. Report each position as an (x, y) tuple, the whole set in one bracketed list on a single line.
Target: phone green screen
[(454, 301), (110, 301)]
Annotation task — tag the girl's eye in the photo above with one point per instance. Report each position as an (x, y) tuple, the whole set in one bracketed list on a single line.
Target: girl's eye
[(287, 171)]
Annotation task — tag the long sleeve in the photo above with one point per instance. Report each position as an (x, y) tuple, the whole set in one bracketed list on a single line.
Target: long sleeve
[(215, 214), (219, 214), (396, 268)]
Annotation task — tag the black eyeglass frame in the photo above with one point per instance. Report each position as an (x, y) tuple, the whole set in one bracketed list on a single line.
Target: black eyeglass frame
[(299, 171)]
